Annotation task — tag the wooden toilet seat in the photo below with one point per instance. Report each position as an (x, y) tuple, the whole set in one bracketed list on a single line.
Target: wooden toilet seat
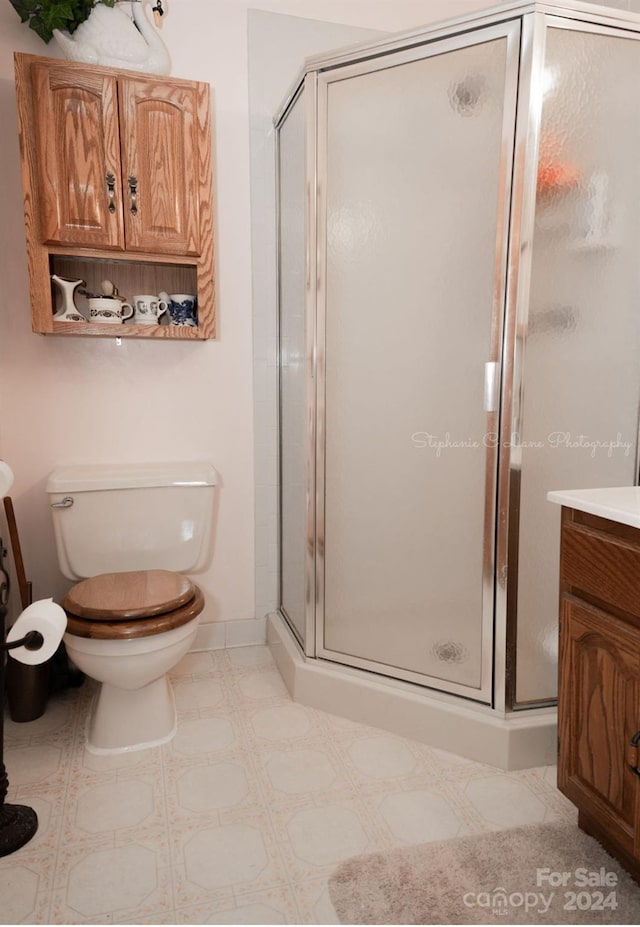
[(117, 606)]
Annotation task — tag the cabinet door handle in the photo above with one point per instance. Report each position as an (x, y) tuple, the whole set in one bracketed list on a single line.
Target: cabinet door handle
[(632, 753), (133, 192), (111, 191)]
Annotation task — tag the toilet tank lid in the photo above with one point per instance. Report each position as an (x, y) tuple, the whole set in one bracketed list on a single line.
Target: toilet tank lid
[(92, 477)]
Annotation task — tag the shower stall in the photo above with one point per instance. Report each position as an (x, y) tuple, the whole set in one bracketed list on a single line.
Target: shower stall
[(459, 333)]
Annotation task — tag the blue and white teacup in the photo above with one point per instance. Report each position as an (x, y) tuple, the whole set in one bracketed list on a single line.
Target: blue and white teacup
[(183, 309)]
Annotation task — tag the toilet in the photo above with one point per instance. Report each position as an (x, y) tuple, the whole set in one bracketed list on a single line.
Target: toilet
[(127, 534)]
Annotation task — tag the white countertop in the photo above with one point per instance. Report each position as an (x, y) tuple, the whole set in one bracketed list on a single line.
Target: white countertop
[(621, 503)]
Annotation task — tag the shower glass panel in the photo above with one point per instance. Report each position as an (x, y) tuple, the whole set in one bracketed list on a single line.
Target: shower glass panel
[(292, 371), (416, 174), (582, 376)]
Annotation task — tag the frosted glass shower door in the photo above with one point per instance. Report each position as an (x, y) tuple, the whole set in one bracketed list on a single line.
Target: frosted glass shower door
[(415, 187), (581, 388), (292, 370)]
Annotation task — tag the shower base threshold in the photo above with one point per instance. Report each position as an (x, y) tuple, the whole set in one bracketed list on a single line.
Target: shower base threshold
[(517, 740)]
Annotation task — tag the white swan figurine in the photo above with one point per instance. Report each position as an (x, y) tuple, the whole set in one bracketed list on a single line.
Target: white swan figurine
[(111, 37)]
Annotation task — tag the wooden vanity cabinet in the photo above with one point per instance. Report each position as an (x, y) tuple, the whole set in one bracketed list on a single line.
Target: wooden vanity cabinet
[(116, 171), (599, 680)]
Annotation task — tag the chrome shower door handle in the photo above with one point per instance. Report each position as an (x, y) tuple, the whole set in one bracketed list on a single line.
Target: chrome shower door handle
[(491, 386)]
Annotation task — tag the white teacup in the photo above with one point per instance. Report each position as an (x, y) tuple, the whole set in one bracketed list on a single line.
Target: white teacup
[(148, 309), (104, 309)]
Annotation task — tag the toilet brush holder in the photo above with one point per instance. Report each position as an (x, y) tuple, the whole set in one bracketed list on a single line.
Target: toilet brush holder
[(27, 689), (18, 823)]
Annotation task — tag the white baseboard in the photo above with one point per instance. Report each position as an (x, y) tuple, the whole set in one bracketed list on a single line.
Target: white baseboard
[(217, 635), (518, 741)]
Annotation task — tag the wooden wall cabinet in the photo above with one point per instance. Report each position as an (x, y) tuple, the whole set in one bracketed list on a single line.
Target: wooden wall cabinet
[(116, 170), (599, 680)]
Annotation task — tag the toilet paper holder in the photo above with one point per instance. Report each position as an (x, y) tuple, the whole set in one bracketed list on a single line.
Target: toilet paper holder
[(18, 823), (32, 640)]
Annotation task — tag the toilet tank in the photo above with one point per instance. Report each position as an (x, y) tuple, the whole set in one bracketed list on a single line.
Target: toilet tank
[(119, 517)]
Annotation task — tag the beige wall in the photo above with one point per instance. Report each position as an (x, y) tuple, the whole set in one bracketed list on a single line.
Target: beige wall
[(83, 400)]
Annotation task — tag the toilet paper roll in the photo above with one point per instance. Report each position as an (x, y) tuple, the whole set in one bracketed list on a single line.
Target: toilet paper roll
[(6, 478), (48, 619)]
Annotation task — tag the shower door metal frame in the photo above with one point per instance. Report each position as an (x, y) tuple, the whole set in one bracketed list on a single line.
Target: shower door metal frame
[(510, 30), (307, 86), (528, 127)]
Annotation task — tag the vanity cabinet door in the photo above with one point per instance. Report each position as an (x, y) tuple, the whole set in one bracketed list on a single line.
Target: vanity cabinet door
[(598, 714), (161, 161), (78, 156)]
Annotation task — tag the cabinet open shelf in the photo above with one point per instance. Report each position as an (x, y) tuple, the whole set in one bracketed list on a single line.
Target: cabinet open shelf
[(125, 330), (131, 277)]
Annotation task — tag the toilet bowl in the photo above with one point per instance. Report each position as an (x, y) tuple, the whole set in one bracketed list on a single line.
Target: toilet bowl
[(128, 627), (127, 630)]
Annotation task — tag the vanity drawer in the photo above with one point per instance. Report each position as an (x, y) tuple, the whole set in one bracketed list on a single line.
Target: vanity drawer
[(601, 562)]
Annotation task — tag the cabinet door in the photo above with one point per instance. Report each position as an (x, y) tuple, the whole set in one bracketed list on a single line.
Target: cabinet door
[(598, 714), (78, 156), (160, 166)]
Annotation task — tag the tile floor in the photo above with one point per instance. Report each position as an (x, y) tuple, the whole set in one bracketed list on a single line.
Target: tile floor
[(242, 818)]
